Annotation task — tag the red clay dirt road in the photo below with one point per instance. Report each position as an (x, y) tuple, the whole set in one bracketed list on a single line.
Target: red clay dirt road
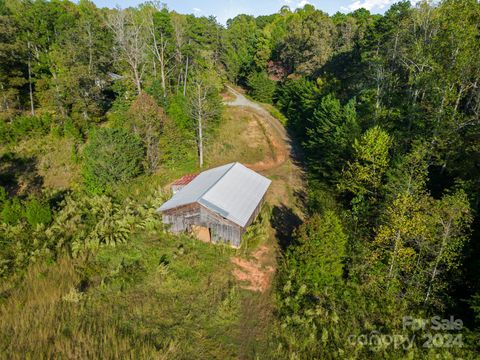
[(255, 273)]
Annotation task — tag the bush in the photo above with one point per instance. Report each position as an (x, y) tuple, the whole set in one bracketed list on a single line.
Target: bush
[(3, 196), (111, 156), (261, 88), (177, 111), (12, 211), (72, 131), (277, 115), (24, 126), (37, 212)]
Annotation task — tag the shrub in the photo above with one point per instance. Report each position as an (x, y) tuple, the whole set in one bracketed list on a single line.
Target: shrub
[(3, 196), (111, 156), (37, 212), (24, 126), (261, 88), (72, 131), (12, 211), (177, 111), (277, 115)]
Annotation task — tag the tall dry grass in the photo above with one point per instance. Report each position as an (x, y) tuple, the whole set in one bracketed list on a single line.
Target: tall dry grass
[(48, 317)]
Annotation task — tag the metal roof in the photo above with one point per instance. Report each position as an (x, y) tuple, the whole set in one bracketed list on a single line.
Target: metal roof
[(232, 191)]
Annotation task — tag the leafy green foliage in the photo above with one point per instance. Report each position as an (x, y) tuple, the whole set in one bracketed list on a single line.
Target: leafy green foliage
[(330, 133), (37, 212), (297, 100), (261, 88), (364, 175), (392, 168), (111, 156), (320, 251), (240, 47), (12, 211), (25, 126)]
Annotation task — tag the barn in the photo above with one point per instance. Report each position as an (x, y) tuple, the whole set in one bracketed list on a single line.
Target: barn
[(216, 205)]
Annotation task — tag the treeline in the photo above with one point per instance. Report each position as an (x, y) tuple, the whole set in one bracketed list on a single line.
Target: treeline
[(133, 91), (386, 109), (73, 64)]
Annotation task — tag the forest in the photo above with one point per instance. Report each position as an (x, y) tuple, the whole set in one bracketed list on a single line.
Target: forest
[(100, 109)]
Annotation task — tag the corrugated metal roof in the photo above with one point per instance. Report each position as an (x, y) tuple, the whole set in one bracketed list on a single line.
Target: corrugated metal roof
[(231, 190)]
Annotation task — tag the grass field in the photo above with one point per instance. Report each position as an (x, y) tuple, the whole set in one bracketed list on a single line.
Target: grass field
[(240, 137)]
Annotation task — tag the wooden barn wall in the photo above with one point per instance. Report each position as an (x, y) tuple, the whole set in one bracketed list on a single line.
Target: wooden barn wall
[(256, 212), (221, 229), (180, 218)]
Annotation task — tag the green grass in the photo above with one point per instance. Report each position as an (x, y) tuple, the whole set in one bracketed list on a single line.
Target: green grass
[(276, 113), (154, 295), (239, 138)]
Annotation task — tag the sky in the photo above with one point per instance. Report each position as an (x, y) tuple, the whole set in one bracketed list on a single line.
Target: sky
[(226, 9)]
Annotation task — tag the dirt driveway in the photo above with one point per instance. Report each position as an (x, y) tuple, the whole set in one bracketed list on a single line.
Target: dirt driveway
[(256, 270)]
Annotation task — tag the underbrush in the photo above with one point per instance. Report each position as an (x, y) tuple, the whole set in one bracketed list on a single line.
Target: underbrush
[(154, 296), (258, 232)]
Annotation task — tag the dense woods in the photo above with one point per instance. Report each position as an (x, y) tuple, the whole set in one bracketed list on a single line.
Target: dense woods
[(385, 114)]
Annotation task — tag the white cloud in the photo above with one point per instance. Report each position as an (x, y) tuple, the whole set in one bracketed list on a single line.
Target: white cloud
[(296, 4), (196, 10), (367, 4)]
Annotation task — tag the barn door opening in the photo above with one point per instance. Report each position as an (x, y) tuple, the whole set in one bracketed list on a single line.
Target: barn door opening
[(202, 233)]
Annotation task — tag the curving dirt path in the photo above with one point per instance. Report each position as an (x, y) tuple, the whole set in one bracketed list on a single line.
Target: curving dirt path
[(255, 272), (279, 142), (255, 269), (241, 100)]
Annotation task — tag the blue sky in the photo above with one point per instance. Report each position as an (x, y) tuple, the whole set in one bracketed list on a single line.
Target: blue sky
[(225, 9)]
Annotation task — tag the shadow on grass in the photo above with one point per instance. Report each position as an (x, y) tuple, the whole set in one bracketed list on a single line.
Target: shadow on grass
[(19, 175), (284, 221)]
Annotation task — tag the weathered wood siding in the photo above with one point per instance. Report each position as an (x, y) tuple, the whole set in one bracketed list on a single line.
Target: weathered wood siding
[(180, 218), (256, 212), (221, 230)]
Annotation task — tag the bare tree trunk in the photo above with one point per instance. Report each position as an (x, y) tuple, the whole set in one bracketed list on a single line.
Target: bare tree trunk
[(437, 261), (30, 87), (200, 105), (200, 141), (159, 53), (130, 41), (163, 45), (185, 79), (457, 102), (137, 80), (200, 112)]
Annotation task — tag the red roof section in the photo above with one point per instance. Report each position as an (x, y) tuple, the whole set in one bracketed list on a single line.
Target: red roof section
[(184, 180)]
